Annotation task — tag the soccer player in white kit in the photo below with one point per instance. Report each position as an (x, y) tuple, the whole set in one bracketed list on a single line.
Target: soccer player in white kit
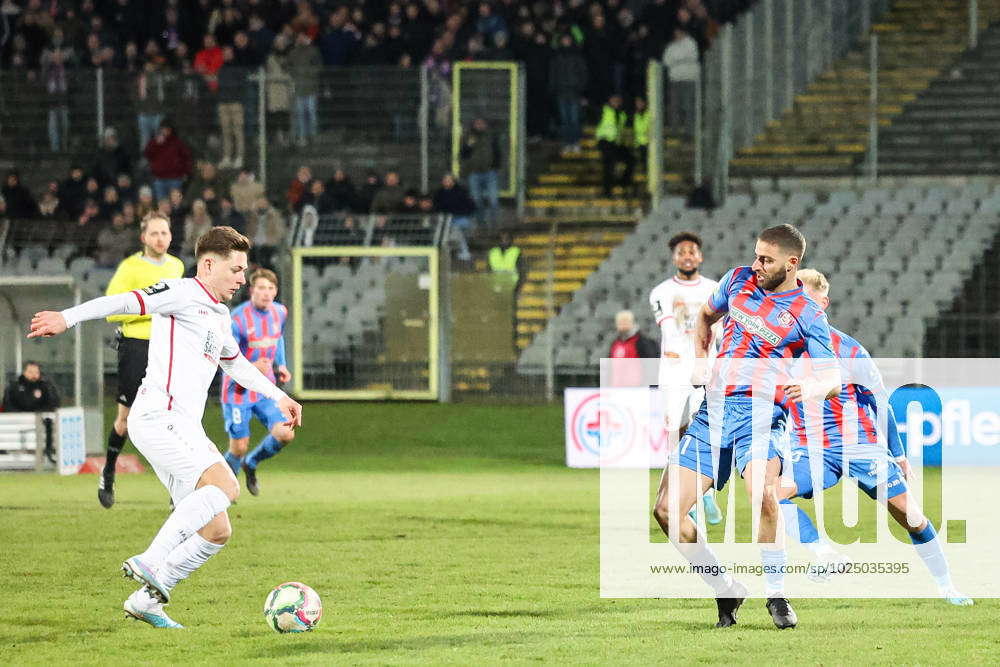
[(191, 337), (676, 303)]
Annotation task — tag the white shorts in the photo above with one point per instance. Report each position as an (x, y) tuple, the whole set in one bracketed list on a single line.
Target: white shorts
[(176, 447), (680, 399)]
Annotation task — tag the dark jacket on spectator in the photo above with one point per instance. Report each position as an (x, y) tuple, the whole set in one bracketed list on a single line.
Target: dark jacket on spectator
[(454, 200), (337, 46), (171, 159), (232, 82), (20, 203), (343, 194), (110, 162), (567, 73), (480, 152), (387, 199), (303, 62), (24, 396)]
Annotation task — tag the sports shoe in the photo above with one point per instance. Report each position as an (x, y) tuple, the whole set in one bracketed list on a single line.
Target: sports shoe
[(106, 489), (143, 607), (782, 613), (136, 569), (827, 565), (952, 596), (251, 475), (729, 605), (713, 515)]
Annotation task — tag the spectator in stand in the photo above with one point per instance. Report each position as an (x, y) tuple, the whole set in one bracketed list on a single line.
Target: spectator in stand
[(208, 61), (341, 39), (109, 203), (280, 89), (567, 84), (298, 187), (149, 100), (92, 190), (245, 191), (31, 392), (366, 194), (454, 200), (683, 70), (389, 197), (111, 159), (146, 203), (20, 204), (438, 68), (611, 142), (317, 197), (197, 223), (303, 62), (341, 192), (489, 23), (72, 192), (231, 80), (306, 22), (126, 191), (114, 242), (640, 130), (56, 80), (500, 49), (506, 263), (531, 48), (230, 217), (261, 37), (599, 46), (630, 343), (48, 205), (480, 154), (266, 230), (169, 160), (206, 179), (88, 225)]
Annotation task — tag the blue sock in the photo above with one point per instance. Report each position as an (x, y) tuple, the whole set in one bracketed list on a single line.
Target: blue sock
[(234, 462), (797, 523), (267, 448), (929, 549), (774, 561)]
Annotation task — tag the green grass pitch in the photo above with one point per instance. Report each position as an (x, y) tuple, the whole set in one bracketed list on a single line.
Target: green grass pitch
[(433, 533)]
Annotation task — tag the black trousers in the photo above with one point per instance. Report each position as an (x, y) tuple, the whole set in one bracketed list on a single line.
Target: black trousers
[(611, 155)]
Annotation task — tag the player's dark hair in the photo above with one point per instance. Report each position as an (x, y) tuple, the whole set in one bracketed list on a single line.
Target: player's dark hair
[(681, 237), (266, 274), (787, 238), (221, 241)]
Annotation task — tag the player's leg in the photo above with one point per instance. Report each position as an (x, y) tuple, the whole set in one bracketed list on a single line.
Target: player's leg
[(692, 403), (116, 442), (922, 534), (237, 419), (278, 436)]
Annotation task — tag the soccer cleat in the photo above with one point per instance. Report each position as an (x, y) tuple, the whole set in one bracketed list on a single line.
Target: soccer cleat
[(824, 567), (728, 606), (952, 596), (141, 572), (713, 515), (782, 613), (154, 615), (106, 489), (251, 475)]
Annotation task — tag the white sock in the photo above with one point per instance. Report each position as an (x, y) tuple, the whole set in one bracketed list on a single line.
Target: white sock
[(187, 557), (774, 562), (708, 567), (188, 517), (935, 561)]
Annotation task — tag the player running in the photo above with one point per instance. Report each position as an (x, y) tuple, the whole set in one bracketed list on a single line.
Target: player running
[(675, 303), (767, 315), (258, 327), (191, 337), (877, 463), (151, 265)]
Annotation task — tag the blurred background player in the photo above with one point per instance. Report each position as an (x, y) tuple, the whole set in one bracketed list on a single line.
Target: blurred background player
[(258, 327), (675, 303), (146, 267), (858, 457)]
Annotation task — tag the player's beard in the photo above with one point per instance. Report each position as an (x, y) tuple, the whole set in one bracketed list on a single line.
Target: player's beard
[(687, 274), (774, 279)]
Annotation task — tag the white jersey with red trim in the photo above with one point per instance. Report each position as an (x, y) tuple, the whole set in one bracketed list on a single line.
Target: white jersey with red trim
[(675, 305), (191, 333)]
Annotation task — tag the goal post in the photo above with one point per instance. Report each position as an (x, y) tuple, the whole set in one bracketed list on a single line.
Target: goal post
[(365, 323)]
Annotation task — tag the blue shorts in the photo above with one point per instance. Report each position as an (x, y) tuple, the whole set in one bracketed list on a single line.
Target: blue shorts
[(238, 416), (865, 471), (696, 455), (737, 432)]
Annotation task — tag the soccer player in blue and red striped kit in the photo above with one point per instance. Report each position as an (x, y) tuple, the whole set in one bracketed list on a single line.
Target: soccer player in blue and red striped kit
[(258, 327)]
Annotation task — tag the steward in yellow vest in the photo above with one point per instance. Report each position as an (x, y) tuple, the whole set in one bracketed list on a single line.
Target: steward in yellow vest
[(611, 142)]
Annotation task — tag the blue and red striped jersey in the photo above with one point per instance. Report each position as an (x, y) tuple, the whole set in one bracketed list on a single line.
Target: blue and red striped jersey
[(260, 334), (767, 325), (835, 423)]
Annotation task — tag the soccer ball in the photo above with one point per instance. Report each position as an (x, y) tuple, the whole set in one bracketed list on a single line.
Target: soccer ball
[(292, 607)]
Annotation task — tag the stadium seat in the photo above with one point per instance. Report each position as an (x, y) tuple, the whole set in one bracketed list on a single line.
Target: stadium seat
[(572, 357)]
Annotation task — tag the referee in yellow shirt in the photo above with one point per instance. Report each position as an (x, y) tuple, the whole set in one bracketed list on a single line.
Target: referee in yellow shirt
[(138, 271)]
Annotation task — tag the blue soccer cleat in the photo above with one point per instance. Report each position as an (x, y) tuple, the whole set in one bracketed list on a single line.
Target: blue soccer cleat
[(136, 569), (952, 596), (713, 515), (154, 615)]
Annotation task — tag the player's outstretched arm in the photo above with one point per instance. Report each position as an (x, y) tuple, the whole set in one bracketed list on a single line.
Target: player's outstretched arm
[(51, 323)]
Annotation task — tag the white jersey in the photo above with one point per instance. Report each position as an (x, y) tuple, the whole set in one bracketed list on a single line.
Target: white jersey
[(191, 336), (675, 305)]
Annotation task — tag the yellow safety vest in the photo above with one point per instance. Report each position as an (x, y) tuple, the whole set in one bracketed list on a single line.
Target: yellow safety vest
[(612, 124), (640, 126), (504, 261)]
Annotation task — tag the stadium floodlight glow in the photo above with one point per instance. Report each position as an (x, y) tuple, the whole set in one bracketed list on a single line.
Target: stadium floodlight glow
[(948, 423), (421, 380)]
